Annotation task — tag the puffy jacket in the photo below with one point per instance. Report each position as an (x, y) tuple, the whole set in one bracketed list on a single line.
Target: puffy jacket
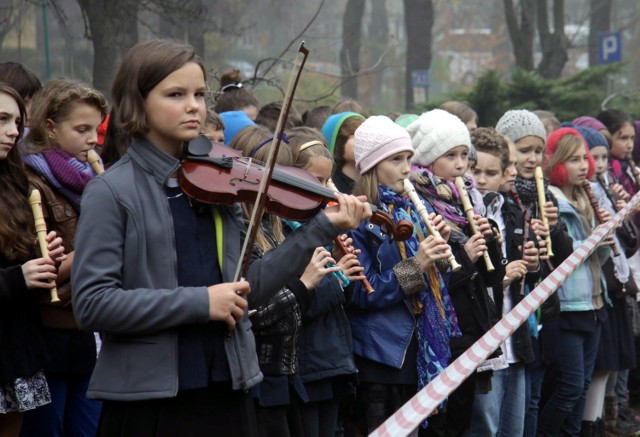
[(382, 323)]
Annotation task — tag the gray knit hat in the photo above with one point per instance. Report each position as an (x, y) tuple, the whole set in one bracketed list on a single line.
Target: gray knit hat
[(436, 132), (520, 123)]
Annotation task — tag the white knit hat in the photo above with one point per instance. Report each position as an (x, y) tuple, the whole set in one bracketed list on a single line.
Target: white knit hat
[(378, 138), (436, 132), (519, 123)]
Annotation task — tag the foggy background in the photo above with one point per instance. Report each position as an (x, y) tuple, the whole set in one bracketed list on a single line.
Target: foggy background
[(389, 55)]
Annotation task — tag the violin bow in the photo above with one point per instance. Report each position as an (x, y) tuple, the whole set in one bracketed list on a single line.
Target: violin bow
[(261, 198)]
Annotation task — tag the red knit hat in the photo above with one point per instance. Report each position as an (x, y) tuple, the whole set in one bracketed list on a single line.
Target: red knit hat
[(102, 129), (558, 174)]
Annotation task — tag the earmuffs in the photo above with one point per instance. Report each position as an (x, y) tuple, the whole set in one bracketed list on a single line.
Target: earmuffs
[(558, 174)]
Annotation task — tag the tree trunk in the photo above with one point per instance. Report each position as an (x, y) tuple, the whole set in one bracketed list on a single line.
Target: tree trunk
[(418, 18), (113, 28), (553, 44), (379, 37), (600, 21), (521, 34), (350, 52)]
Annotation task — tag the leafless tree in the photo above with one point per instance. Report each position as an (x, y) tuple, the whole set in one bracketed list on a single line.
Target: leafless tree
[(418, 18), (9, 16), (521, 31), (350, 52), (554, 44), (112, 27)]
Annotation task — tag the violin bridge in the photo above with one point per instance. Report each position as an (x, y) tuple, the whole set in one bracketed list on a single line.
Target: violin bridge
[(246, 171)]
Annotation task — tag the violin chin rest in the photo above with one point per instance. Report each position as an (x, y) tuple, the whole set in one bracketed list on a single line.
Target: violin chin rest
[(199, 146)]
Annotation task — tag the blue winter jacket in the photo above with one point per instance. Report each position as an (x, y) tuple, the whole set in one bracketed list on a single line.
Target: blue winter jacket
[(382, 323)]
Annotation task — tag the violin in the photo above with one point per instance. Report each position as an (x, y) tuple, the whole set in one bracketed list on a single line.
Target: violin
[(212, 173)]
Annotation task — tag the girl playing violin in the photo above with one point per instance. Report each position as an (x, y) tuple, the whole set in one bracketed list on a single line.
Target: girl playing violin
[(152, 267), (401, 331), (65, 117), (23, 353)]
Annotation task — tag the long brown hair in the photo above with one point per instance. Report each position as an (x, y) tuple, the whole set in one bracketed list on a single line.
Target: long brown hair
[(17, 231), (367, 185)]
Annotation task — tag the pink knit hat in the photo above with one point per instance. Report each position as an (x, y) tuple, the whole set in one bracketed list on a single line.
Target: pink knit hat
[(378, 138), (587, 121)]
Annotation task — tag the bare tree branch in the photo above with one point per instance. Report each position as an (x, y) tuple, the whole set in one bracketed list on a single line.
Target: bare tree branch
[(291, 43)]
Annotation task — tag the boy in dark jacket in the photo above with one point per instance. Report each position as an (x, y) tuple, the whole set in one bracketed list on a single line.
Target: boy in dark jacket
[(502, 410)]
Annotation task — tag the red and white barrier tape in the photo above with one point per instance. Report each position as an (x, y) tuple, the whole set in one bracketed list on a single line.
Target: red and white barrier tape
[(418, 408)]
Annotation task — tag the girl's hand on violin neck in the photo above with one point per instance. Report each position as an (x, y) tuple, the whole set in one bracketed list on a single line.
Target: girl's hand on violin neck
[(317, 268), (475, 246), (350, 265), (39, 273), (227, 301), (432, 249), (349, 212)]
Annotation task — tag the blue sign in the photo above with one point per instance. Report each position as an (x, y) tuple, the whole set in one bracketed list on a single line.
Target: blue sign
[(609, 47), (420, 78)]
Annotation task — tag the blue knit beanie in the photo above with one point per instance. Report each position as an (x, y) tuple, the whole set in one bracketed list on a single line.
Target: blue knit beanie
[(332, 127), (591, 136), (234, 122)]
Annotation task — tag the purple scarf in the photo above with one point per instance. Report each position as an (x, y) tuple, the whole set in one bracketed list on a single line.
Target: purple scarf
[(62, 171)]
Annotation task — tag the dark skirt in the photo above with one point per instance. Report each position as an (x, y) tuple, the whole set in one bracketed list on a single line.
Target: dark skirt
[(215, 410), (616, 350)]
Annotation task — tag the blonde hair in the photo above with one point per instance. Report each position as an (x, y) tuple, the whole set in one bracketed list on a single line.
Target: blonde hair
[(55, 102), (566, 147), (367, 185), (248, 141), (314, 145)]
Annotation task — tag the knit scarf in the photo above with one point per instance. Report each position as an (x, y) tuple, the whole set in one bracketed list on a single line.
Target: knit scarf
[(528, 192), (64, 172), (445, 199), (436, 319)]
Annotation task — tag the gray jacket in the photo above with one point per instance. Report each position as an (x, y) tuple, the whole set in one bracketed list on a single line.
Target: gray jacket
[(125, 279)]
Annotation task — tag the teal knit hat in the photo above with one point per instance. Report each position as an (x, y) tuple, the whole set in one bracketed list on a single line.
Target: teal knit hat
[(332, 127), (405, 120)]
